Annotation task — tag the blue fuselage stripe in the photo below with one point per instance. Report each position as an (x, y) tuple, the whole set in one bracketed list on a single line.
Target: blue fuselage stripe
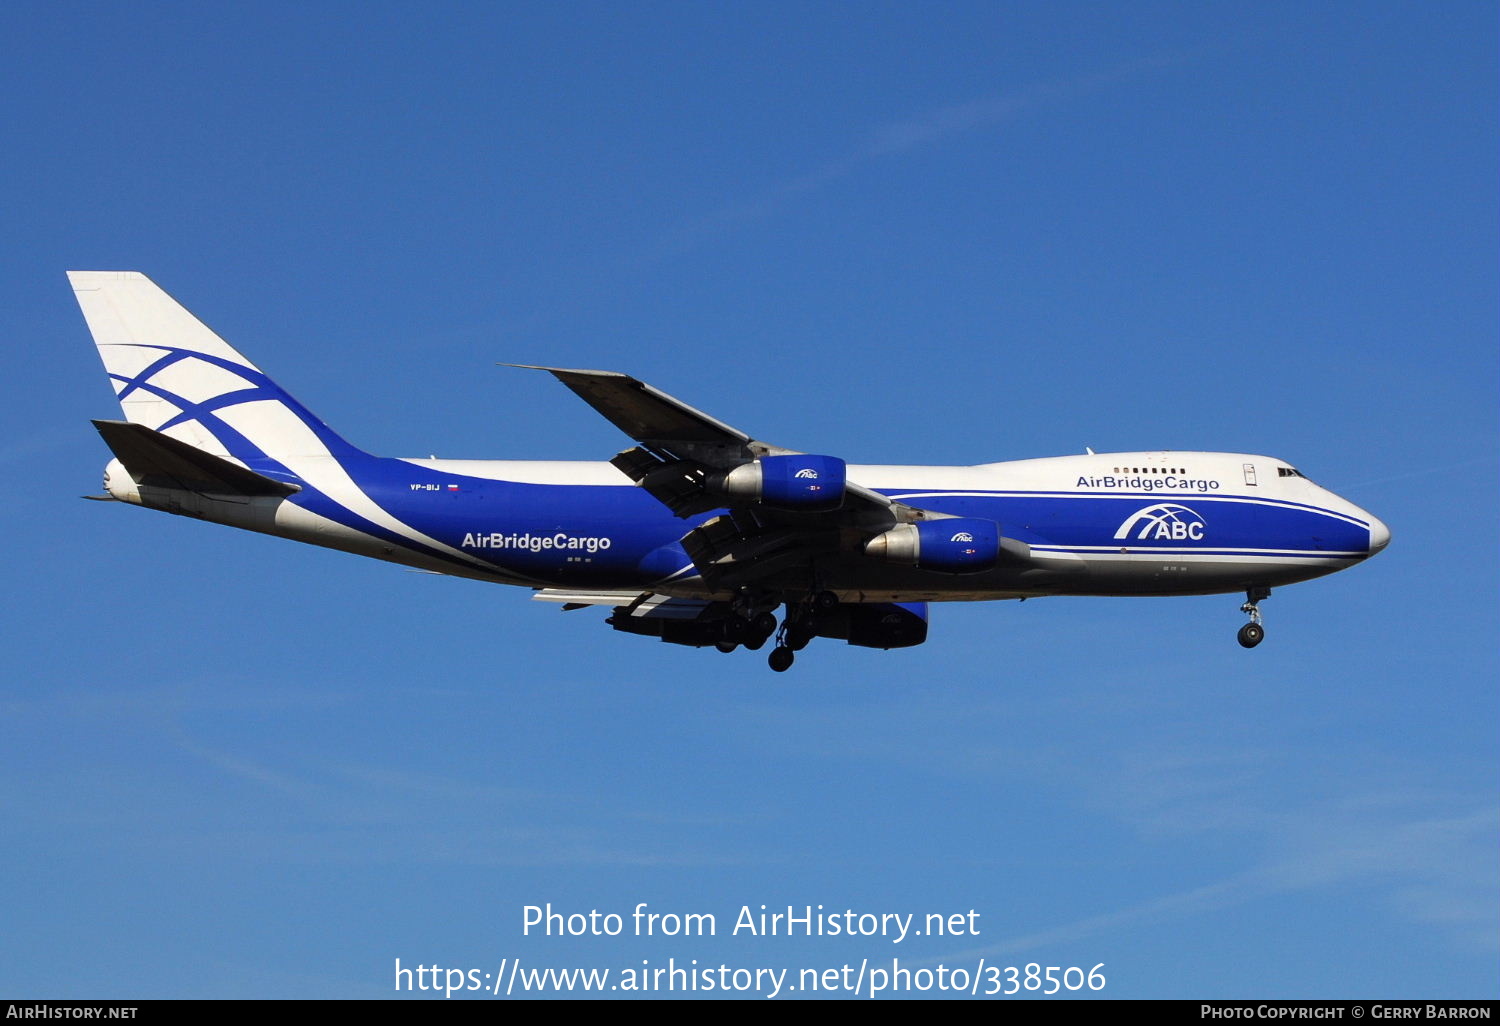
[(619, 536)]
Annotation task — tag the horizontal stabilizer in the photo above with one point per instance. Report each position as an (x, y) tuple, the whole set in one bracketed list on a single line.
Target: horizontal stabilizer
[(153, 458)]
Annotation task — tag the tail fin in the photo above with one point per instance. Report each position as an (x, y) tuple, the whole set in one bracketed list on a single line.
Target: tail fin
[(172, 374)]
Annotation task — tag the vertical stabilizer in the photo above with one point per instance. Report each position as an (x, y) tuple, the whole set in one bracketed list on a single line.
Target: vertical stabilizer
[(172, 374)]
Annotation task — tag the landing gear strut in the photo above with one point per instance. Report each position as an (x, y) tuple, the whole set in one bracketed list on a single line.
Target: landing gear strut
[(1253, 633), (793, 637), (800, 626)]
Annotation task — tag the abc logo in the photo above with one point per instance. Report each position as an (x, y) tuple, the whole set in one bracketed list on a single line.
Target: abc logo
[(1165, 521)]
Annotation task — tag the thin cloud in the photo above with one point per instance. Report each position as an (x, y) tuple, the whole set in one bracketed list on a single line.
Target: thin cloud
[(900, 137), (988, 112), (1435, 870), (245, 769), (1196, 901), (1424, 850), (1446, 468)]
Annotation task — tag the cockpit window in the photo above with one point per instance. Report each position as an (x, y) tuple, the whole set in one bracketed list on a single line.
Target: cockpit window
[(1290, 472)]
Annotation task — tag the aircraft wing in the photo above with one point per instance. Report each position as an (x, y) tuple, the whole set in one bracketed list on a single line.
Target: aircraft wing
[(672, 432), (652, 417), (693, 463)]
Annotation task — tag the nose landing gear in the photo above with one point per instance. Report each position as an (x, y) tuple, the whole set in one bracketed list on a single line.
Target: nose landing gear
[(1253, 633)]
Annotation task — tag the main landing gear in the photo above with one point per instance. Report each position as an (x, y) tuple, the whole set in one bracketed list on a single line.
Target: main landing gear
[(799, 628), (1253, 633), (750, 631)]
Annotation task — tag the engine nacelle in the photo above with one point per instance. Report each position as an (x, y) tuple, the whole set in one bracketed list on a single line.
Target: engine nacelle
[(952, 545), (801, 482), (879, 624)]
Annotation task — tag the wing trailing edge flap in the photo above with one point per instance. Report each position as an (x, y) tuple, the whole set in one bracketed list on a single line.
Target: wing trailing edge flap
[(159, 460), (647, 605), (737, 549)]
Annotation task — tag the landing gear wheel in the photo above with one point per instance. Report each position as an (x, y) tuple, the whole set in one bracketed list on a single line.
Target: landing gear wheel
[(1253, 633), (825, 601), (797, 638), (757, 631), (781, 658), (726, 646)]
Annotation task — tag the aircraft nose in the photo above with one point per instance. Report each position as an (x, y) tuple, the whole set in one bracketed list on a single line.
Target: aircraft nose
[(1380, 535)]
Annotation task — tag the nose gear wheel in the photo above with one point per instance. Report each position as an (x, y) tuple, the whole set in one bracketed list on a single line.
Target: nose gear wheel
[(1253, 633)]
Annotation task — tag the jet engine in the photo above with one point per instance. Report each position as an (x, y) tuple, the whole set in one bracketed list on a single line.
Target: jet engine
[(876, 624), (951, 545), (800, 482)]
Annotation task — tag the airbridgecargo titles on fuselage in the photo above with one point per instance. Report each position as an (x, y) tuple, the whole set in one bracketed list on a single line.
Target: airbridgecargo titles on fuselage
[(1149, 484), (534, 542)]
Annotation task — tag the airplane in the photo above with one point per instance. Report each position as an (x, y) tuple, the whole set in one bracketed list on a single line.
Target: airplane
[(698, 534)]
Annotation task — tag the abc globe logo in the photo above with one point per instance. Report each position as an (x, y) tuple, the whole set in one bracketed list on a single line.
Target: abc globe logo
[(807, 472), (1166, 521)]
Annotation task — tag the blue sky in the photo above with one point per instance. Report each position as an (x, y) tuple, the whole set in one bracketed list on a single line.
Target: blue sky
[(232, 766)]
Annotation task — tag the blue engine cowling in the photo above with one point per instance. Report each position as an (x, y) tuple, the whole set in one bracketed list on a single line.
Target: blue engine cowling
[(951, 545), (801, 481)]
